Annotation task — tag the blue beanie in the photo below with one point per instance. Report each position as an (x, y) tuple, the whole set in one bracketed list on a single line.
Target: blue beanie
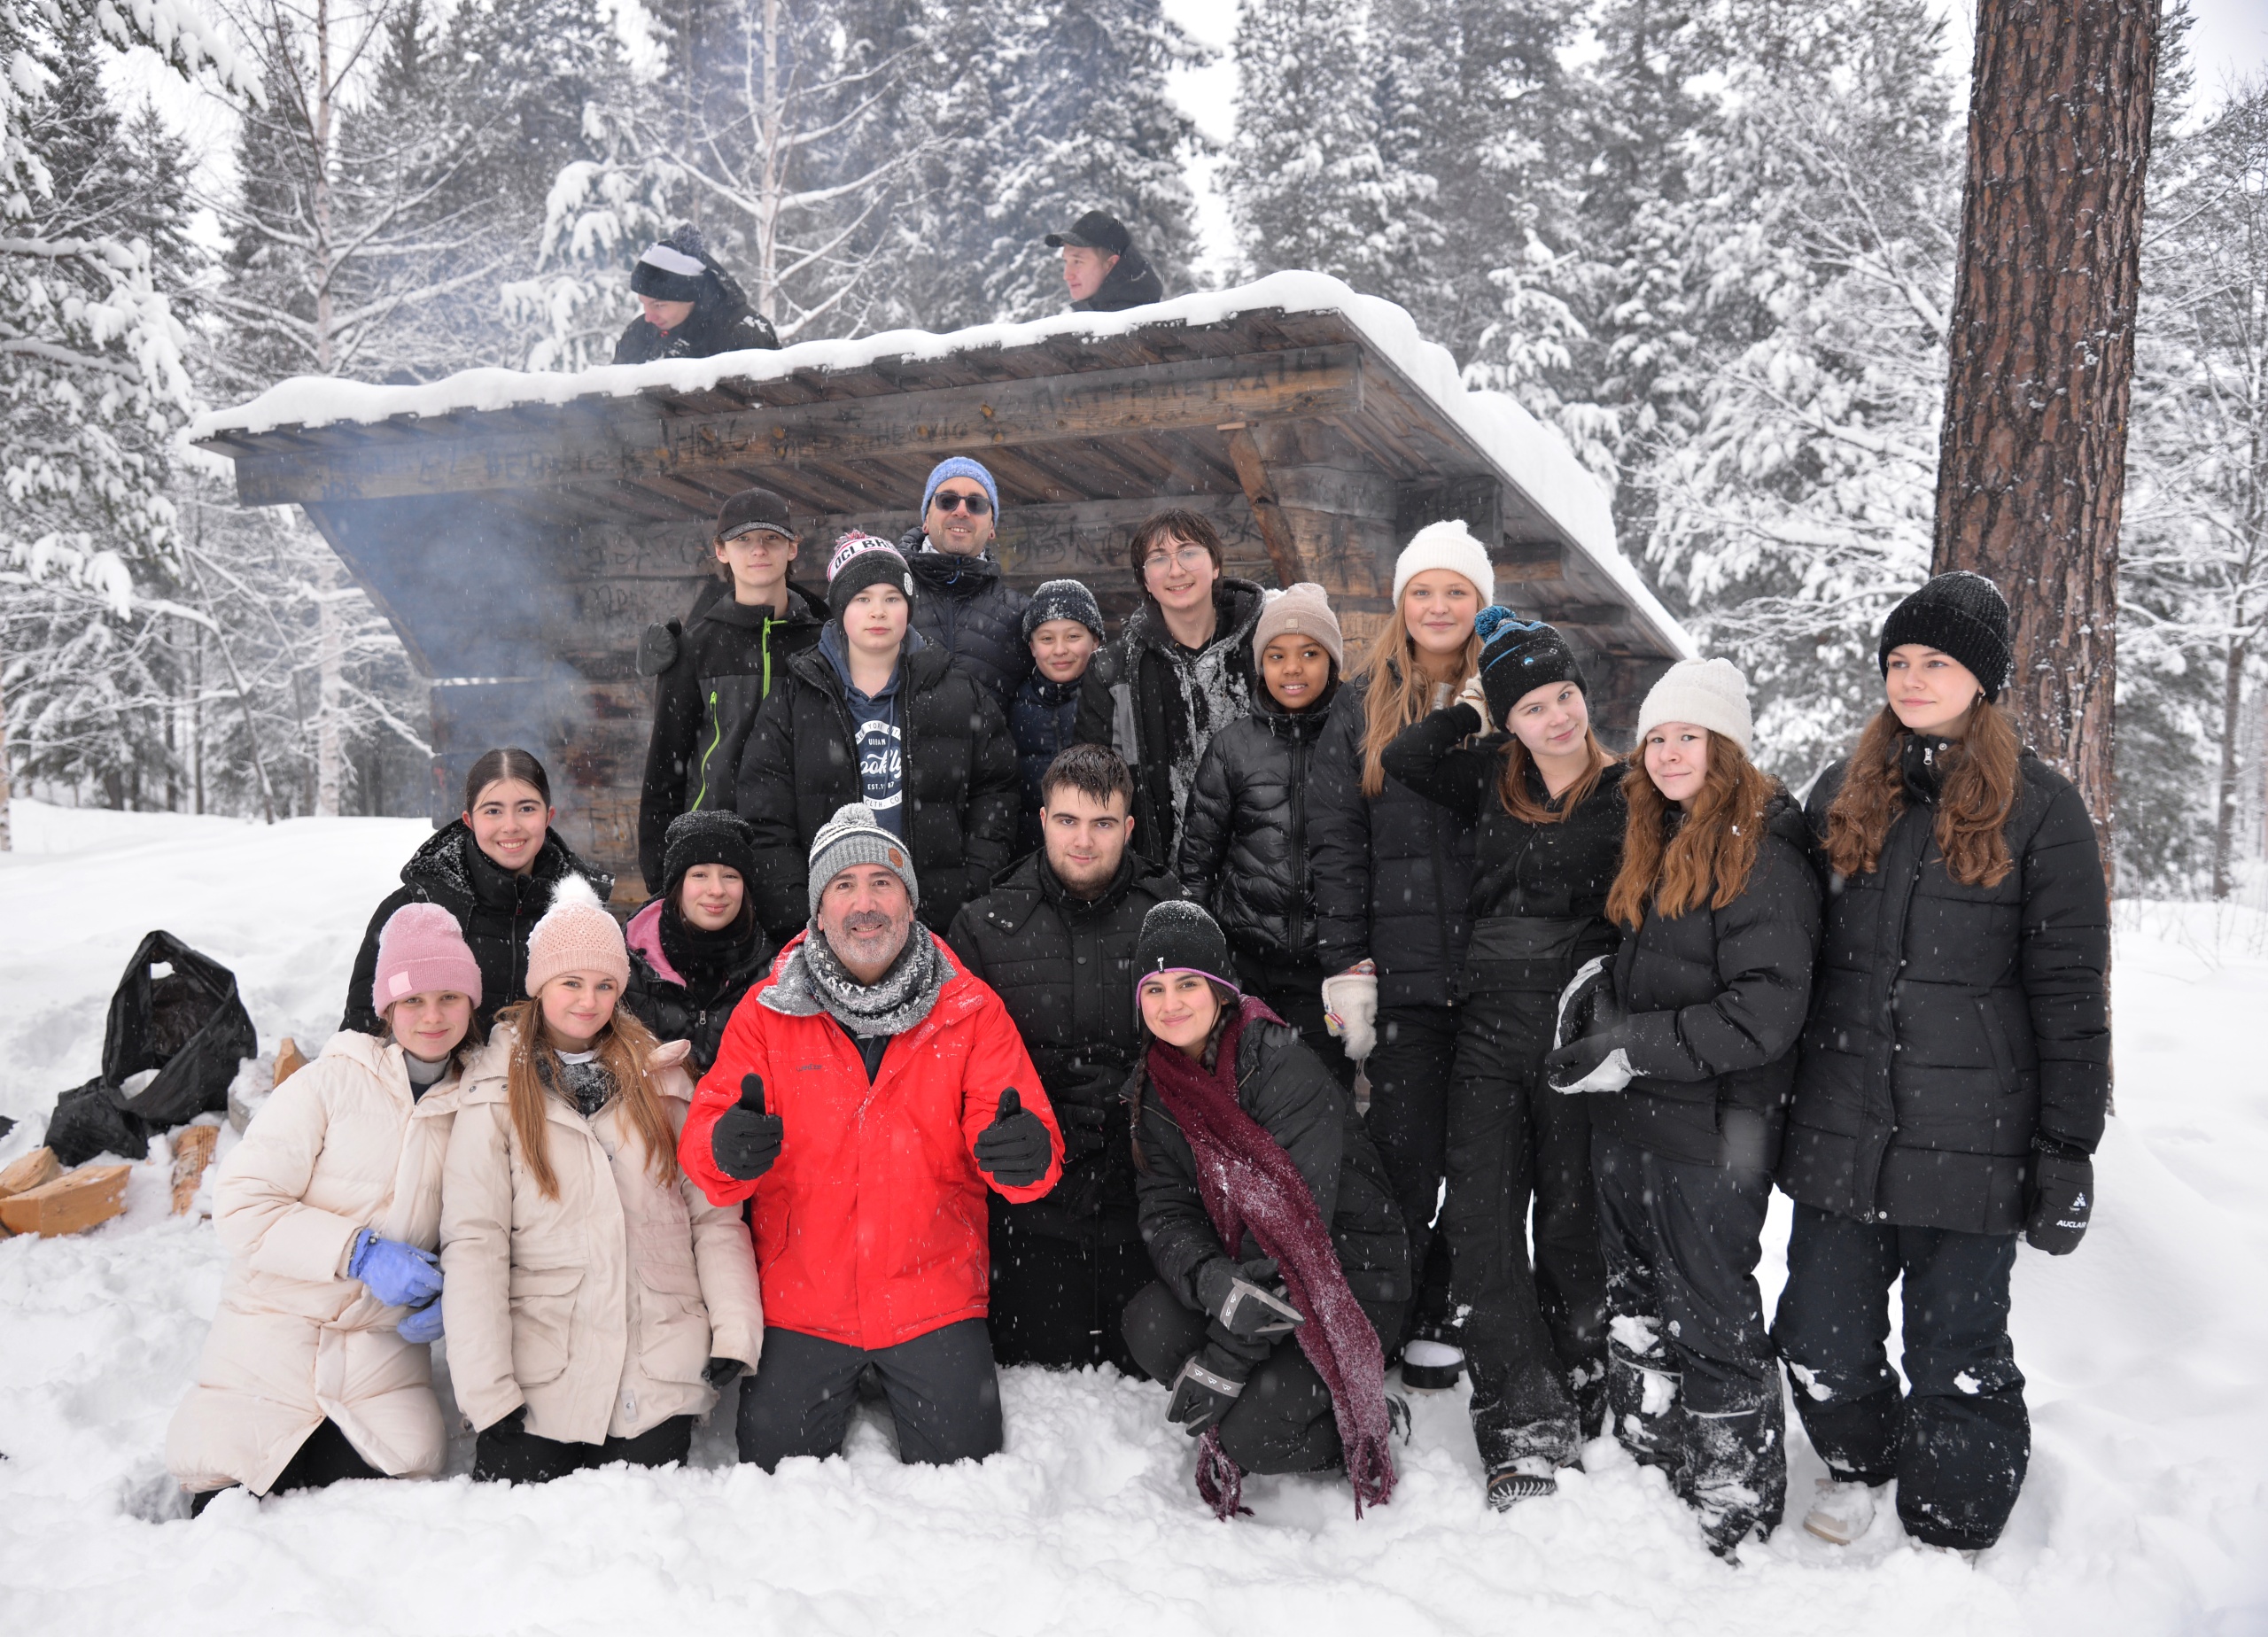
[(960, 466)]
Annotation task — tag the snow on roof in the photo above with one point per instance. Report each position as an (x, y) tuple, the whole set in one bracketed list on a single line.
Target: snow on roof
[(1531, 452)]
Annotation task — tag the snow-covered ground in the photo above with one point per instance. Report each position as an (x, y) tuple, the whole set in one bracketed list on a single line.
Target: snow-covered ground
[(2146, 1509)]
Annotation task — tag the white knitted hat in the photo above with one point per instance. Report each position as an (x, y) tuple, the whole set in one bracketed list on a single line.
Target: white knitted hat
[(576, 935), (1446, 546), (1708, 693)]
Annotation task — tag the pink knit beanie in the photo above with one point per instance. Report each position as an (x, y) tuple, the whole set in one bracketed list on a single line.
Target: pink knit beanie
[(420, 950), (576, 935)]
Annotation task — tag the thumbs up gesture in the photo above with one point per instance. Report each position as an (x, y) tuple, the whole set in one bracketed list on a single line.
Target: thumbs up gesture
[(745, 1140), (1013, 1149)]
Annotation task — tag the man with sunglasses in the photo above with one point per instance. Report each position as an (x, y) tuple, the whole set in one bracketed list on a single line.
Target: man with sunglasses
[(966, 606)]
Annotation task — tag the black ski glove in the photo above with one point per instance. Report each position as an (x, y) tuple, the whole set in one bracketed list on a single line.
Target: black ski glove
[(1588, 1006), (721, 1372), (1082, 1095), (1249, 1302), (745, 1140), (1207, 1389), (1599, 1062), (1014, 1148), (2061, 1193)]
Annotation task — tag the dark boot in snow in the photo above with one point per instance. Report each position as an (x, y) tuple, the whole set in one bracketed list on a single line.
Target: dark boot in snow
[(1530, 1477), (1642, 1405), (1736, 1475), (1430, 1366)]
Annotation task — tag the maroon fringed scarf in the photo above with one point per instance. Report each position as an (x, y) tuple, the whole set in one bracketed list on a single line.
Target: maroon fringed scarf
[(1249, 1182)]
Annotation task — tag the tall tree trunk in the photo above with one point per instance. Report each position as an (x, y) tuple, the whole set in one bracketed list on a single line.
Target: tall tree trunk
[(330, 663), (2031, 468), (7, 837)]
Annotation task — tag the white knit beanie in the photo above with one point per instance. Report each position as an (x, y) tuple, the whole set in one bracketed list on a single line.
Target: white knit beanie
[(1446, 546), (1708, 693)]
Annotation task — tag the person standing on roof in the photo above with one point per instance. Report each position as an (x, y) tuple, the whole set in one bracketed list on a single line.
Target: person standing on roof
[(691, 308), (715, 672), (1101, 268), (966, 607)]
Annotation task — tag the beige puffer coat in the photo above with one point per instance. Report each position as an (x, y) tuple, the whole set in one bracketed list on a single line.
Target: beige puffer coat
[(598, 1309), (341, 1145)]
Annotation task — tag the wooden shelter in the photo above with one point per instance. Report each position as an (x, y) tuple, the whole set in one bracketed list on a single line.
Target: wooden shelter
[(519, 531)]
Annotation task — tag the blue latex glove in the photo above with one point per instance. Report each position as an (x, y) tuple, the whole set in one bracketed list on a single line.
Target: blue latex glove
[(422, 1326), (398, 1275)]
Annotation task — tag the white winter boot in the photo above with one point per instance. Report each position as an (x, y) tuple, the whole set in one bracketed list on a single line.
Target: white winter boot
[(1841, 1512), (1530, 1477)]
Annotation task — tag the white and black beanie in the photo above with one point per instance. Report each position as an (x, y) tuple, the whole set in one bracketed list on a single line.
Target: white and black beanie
[(1177, 935), (671, 269), (853, 836), (860, 561), (1961, 614), (1063, 599)]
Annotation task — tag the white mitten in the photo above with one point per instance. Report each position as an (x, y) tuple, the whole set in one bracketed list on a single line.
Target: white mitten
[(1350, 1011), (1477, 696)]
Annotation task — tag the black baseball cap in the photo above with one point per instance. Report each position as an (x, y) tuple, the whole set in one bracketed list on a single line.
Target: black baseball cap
[(1098, 229), (750, 509)]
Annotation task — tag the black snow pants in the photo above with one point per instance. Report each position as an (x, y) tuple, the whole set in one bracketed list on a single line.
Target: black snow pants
[(1692, 1382), (1533, 1329), (1283, 1421), (1958, 1440), (943, 1396), (322, 1461), (1057, 1302), (521, 1457), (1410, 1070)]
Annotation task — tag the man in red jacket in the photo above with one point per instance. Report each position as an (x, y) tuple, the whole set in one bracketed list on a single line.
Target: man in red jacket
[(866, 1095)]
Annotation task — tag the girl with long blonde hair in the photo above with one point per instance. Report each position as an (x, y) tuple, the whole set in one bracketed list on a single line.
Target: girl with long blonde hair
[(1392, 873)]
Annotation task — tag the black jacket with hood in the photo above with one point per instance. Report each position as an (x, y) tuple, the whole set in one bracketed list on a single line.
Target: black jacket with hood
[(722, 321), (1244, 838), (1159, 705), (726, 660), (1131, 283), (494, 910), (961, 791), (684, 983), (967, 608), (1953, 1024)]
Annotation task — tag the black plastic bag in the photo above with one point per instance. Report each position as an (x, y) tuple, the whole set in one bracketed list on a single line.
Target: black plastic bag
[(176, 1011)]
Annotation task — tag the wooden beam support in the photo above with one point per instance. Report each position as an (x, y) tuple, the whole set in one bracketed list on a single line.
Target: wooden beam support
[(963, 420), (1260, 493)]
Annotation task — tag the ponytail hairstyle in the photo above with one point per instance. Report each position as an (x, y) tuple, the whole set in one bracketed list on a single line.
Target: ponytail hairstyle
[(1978, 777), (1672, 864), (1399, 696), (1511, 783), (624, 1049), (510, 763)]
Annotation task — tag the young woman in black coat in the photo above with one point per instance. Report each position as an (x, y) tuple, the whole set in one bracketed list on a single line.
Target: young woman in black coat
[(1281, 1254), (1244, 839), (1686, 1048), (1955, 1076), (1546, 802), (697, 949)]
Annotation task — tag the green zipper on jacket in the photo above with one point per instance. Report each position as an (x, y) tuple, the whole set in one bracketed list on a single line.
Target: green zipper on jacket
[(701, 794)]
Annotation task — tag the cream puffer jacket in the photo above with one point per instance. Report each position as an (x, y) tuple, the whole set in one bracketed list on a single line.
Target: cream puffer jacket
[(598, 1309), (340, 1146)]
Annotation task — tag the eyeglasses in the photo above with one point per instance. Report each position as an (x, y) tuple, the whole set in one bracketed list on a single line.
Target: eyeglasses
[(951, 500), (1187, 557)]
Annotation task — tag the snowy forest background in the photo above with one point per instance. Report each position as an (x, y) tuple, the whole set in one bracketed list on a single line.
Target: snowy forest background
[(1712, 241)]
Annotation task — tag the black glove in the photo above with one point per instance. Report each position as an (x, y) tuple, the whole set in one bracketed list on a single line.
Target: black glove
[(1588, 1006), (745, 1140), (2060, 1192), (510, 1429), (1568, 1067), (721, 1372), (1250, 1302), (1082, 1095), (1206, 1390), (1014, 1148)]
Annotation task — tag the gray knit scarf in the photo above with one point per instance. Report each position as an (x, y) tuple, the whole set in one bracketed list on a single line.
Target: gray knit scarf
[(815, 979)]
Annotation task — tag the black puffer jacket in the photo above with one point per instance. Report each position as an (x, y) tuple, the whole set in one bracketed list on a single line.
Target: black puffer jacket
[(684, 984), (1954, 1024), (802, 763), (1064, 969), (1132, 283), (1244, 839), (1042, 717), (1132, 700), (966, 607), (1284, 1086), (1392, 872), (722, 322), (705, 701), (1716, 1001), (495, 911)]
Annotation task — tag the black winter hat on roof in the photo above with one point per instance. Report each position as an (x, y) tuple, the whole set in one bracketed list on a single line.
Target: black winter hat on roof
[(1063, 599), (1961, 614), (1519, 654), (708, 835), (753, 508), (1178, 936), (1098, 229)]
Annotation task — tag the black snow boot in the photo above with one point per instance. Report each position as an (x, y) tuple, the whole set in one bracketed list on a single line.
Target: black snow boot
[(1643, 1409), (1735, 1476)]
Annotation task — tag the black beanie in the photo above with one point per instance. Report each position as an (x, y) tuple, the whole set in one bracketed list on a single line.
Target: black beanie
[(1518, 655), (753, 509), (1178, 936), (860, 561), (1063, 599), (709, 835), (1961, 614), (672, 269)]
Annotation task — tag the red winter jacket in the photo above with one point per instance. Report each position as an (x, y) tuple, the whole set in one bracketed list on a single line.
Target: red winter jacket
[(872, 1228)]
